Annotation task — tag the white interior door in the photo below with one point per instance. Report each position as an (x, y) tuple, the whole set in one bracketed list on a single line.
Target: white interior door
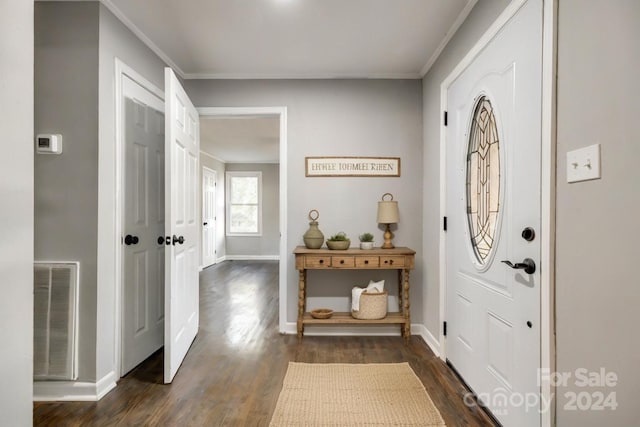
[(208, 217), (143, 255), (493, 142), (182, 145)]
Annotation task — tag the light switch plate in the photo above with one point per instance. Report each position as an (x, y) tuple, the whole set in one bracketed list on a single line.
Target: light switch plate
[(583, 164)]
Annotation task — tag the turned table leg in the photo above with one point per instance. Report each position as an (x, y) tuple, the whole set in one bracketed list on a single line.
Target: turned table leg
[(406, 310), (401, 298), (301, 301)]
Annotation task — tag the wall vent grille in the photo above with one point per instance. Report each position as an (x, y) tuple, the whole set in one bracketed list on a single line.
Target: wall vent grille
[(55, 320)]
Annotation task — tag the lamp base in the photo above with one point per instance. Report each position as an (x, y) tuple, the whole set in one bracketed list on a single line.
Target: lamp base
[(388, 236)]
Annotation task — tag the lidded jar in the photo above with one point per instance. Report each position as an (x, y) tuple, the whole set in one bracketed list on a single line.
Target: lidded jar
[(313, 238)]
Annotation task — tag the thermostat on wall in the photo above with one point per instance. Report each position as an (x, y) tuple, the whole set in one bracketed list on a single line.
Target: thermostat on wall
[(49, 143)]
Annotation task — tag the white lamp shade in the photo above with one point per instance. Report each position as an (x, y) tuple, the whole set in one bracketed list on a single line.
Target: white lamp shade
[(388, 212)]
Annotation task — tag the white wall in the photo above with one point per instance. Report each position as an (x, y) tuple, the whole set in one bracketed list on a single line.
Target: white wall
[(268, 244), (597, 242), (478, 21), (340, 117), (16, 215), (219, 167)]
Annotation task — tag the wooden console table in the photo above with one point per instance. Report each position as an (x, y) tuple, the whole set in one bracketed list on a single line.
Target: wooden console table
[(401, 259)]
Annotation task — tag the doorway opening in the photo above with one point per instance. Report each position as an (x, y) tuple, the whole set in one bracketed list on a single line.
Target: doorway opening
[(248, 142)]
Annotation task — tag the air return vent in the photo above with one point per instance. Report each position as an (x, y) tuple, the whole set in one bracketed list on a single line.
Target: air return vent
[(55, 320)]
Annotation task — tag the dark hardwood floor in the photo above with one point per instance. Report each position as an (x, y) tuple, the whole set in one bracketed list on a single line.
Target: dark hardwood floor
[(233, 373)]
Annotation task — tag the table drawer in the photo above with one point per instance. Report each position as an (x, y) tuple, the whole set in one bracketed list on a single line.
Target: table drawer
[(317, 261), (367, 262), (343, 262), (391, 261)]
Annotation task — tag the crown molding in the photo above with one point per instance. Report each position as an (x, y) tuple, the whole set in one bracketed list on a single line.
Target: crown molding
[(452, 31), (142, 36), (302, 76)]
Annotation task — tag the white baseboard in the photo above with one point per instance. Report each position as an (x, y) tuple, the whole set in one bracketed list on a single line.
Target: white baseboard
[(73, 391), (252, 257), (428, 337), (221, 259)]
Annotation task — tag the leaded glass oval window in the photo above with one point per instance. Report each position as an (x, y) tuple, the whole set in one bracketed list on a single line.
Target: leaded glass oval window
[(483, 179)]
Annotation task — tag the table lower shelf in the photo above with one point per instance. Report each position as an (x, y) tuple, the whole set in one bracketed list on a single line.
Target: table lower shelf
[(341, 318)]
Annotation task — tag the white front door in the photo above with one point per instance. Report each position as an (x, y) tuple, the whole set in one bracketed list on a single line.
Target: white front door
[(182, 148), (143, 255), (208, 217), (493, 166)]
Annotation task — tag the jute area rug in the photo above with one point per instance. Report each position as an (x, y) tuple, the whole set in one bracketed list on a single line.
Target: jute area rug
[(380, 394)]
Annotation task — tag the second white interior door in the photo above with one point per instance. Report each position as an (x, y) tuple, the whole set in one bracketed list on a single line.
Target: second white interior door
[(209, 178)]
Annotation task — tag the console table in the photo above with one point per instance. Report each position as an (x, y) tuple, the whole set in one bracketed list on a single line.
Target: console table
[(401, 259)]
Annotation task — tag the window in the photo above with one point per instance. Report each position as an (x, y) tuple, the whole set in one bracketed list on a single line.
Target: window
[(483, 180), (244, 203)]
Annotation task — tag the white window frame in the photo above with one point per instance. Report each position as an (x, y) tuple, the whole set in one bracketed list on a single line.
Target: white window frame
[(229, 175)]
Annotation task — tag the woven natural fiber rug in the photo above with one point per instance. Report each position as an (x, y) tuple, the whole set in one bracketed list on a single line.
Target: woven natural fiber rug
[(379, 394)]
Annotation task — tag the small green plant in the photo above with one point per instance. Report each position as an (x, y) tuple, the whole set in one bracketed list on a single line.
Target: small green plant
[(366, 237), (339, 237)]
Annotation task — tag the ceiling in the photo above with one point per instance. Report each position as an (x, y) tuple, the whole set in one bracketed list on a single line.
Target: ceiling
[(295, 38), (241, 139), (241, 39)]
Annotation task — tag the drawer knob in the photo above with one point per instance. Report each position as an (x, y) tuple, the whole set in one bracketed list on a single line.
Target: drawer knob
[(366, 261), (321, 261), (386, 261), (341, 261)]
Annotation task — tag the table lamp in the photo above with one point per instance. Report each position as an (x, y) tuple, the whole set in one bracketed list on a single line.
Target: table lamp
[(388, 214)]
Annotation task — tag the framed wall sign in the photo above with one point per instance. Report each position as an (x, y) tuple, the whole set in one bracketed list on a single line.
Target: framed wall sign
[(352, 166)]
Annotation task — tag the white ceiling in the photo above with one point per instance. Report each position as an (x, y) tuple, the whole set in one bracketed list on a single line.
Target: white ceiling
[(288, 39), (241, 139), (295, 38)]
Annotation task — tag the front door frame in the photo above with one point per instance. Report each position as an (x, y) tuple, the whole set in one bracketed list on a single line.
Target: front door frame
[(548, 188), (281, 112)]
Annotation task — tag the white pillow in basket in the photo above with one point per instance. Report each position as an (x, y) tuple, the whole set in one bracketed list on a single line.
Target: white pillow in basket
[(375, 286)]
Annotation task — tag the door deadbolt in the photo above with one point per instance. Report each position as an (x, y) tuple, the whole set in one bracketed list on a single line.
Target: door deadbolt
[(528, 234)]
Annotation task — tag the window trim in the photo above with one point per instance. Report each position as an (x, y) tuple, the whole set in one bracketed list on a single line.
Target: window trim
[(229, 175)]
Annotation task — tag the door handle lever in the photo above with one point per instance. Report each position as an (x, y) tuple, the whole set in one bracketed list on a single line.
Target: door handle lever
[(528, 265), (177, 239)]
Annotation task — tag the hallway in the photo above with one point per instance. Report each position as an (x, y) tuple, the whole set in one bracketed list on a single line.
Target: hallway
[(233, 373)]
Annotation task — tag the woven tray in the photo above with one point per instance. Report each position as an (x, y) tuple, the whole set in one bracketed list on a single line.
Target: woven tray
[(372, 306)]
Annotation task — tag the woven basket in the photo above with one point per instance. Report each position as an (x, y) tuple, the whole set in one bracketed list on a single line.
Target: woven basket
[(372, 306)]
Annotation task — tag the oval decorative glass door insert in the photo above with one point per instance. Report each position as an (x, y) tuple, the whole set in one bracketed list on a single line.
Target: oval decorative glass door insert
[(483, 179)]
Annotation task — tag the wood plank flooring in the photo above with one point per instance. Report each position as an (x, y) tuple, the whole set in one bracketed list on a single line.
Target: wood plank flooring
[(233, 373)]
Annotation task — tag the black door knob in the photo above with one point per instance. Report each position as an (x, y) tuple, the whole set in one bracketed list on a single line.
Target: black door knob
[(131, 240), (179, 240), (160, 240), (206, 223), (528, 265)]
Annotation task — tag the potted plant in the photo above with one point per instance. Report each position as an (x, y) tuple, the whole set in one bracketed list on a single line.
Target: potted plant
[(338, 241), (366, 241)]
